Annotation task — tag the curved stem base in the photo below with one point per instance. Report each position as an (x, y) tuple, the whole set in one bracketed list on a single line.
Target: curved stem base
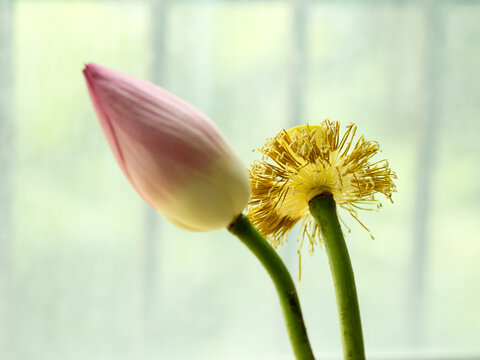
[(284, 285)]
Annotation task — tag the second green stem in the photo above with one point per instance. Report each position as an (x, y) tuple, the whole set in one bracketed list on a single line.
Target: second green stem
[(324, 210)]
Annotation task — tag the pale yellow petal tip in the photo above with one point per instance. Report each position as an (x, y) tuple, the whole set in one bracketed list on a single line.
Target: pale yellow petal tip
[(305, 161)]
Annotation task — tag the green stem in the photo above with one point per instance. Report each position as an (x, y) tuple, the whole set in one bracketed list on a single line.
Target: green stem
[(287, 293), (324, 210)]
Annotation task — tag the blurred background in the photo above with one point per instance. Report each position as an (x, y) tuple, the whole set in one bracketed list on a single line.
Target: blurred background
[(88, 271)]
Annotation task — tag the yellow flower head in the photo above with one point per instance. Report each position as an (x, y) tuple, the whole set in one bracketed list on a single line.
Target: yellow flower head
[(306, 161)]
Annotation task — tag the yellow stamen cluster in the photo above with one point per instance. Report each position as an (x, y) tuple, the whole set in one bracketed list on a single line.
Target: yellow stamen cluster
[(307, 161)]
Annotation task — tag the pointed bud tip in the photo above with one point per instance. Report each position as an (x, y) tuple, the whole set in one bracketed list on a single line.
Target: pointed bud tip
[(94, 71), (87, 68)]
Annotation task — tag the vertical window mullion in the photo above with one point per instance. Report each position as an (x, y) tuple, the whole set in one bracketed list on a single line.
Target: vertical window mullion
[(6, 163)]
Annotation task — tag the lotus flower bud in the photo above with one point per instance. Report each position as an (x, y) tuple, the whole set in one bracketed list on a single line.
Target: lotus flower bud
[(171, 153)]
